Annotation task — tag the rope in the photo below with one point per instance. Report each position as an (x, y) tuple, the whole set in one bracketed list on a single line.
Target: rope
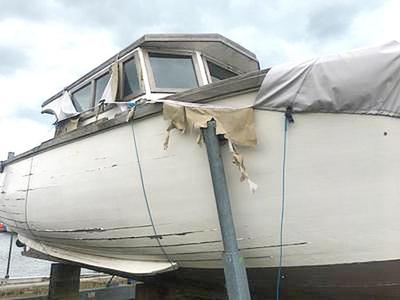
[(288, 119), (157, 237), (28, 186), (108, 284)]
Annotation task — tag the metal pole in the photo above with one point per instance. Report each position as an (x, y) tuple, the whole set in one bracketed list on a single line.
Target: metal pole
[(234, 268), (9, 256)]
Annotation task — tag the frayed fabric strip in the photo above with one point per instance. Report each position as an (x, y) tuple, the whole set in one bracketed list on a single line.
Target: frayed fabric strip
[(237, 126)]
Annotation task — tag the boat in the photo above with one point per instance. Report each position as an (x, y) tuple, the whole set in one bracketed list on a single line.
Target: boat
[(319, 138)]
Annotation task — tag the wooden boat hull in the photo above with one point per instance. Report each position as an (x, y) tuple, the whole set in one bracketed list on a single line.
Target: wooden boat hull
[(83, 201), (370, 280)]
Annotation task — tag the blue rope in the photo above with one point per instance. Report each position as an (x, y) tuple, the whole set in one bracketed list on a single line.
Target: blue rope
[(279, 276), (157, 237)]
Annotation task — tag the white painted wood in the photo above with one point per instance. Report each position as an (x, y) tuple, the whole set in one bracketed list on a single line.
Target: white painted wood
[(143, 70), (342, 197), (202, 69)]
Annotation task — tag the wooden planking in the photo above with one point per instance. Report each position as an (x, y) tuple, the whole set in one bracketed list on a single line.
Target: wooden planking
[(224, 88)]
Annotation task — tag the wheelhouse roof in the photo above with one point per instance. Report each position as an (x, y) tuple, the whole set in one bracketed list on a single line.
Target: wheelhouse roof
[(210, 44)]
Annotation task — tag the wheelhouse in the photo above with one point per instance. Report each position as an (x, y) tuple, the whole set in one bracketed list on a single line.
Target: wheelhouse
[(153, 67)]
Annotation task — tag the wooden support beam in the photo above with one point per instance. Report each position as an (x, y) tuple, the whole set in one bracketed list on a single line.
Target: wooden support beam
[(64, 282), (182, 291)]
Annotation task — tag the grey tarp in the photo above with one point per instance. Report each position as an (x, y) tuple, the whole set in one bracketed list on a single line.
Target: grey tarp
[(365, 81)]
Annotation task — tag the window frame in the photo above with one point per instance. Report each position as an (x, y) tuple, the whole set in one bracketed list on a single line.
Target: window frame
[(151, 78), (139, 71), (78, 88), (91, 82), (105, 72), (207, 59)]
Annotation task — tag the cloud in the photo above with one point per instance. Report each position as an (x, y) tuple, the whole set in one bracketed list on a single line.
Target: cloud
[(12, 59), (332, 20), (47, 44), (22, 134), (32, 10)]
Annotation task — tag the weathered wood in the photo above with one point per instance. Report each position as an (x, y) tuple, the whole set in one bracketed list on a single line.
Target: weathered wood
[(216, 90), (172, 291), (231, 86), (84, 131), (155, 40), (64, 282)]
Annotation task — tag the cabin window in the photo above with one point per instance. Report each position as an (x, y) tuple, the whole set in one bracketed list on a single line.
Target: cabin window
[(100, 83), (218, 73), (82, 98), (131, 84), (172, 71)]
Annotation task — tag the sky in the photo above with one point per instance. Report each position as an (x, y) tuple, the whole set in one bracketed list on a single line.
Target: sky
[(47, 44)]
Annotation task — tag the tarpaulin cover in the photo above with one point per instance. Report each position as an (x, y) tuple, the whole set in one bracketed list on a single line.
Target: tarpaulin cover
[(365, 81), (236, 124), (61, 107), (111, 89)]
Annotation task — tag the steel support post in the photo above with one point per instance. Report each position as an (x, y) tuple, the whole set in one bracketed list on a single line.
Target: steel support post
[(64, 282), (9, 256), (235, 271)]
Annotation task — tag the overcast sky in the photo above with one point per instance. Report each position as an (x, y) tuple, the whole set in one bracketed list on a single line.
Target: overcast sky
[(47, 44)]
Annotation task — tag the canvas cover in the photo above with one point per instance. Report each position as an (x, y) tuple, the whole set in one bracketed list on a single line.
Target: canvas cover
[(62, 107), (235, 124), (365, 81), (111, 90)]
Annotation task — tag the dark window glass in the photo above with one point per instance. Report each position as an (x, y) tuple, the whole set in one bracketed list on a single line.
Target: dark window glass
[(101, 83), (131, 79), (173, 71), (218, 73), (83, 98)]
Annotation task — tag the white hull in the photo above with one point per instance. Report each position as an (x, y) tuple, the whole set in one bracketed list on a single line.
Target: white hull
[(83, 201)]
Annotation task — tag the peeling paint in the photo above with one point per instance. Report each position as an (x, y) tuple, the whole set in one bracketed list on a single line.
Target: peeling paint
[(101, 168), (165, 246), (13, 220), (219, 259), (99, 158), (158, 236), (164, 156), (76, 230), (11, 212), (88, 230)]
